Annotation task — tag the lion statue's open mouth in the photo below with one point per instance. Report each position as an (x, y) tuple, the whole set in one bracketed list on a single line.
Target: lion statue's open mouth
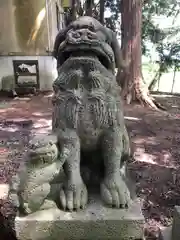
[(85, 42), (88, 38)]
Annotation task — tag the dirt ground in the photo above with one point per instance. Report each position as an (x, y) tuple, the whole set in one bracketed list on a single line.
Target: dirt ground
[(155, 140)]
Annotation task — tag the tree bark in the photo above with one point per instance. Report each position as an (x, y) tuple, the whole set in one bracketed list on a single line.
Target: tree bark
[(89, 7), (174, 78), (102, 2), (156, 78), (73, 11), (130, 78)]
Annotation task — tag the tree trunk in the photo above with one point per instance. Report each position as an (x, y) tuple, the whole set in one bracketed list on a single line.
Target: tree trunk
[(174, 78), (130, 78), (74, 10), (102, 2), (156, 78), (89, 7)]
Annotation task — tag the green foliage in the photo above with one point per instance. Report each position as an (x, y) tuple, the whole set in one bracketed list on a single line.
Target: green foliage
[(115, 9), (166, 41), (161, 37)]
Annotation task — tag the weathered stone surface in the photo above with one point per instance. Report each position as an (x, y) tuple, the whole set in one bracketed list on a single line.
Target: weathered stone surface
[(38, 179), (8, 83), (176, 224), (166, 233), (95, 222), (88, 113)]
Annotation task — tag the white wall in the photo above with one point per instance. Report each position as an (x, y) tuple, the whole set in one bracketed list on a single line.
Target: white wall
[(47, 69), (47, 64)]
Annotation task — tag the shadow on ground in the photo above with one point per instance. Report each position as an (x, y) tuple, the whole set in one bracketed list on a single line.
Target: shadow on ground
[(156, 167)]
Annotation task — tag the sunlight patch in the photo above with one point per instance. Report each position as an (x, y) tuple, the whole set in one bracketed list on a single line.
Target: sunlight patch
[(133, 118), (8, 109), (4, 188), (9, 129), (37, 114), (49, 95), (41, 123), (3, 110), (40, 114), (161, 159), (141, 156), (148, 140), (42, 130)]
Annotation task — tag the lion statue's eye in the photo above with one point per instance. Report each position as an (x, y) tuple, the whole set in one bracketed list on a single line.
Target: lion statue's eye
[(91, 27), (77, 35)]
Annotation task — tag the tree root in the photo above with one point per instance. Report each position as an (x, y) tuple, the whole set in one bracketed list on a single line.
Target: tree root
[(146, 100), (159, 106), (137, 91), (143, 97)]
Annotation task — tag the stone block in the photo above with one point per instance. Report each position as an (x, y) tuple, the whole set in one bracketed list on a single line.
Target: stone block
[(176, 224), (166, 233), (95, 222)]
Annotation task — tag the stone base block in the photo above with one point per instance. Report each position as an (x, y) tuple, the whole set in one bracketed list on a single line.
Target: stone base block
[(94, 223), (166, 233), (176, 224)]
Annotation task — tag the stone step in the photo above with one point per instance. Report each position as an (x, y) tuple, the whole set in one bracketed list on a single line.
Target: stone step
[(176, 224), (166, 233), (172, 232), (95, 222)]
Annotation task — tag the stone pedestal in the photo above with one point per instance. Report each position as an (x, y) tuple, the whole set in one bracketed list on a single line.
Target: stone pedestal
[(95, 222), (173, 232), (176, 224), (166, 233)]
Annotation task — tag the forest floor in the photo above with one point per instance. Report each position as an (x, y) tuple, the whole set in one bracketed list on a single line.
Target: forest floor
[(155, 140)]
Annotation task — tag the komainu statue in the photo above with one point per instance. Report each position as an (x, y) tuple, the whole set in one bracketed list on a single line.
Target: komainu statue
[(87, 114), (89, 145)]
